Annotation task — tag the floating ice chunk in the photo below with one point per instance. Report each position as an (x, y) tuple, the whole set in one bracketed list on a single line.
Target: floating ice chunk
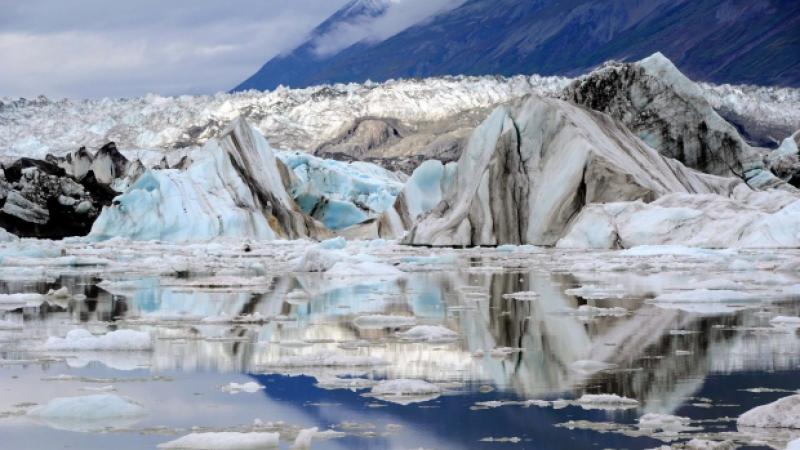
[(665, 423), (227, 440), (794, 445), (327, 359), (606, 401), (91, 412), (14, 301), (304, 438), (5, 236), (120, 340), (589, 366), (783, 413), (523, 295), (706, 295), (669, 250), (363, 265), (235, 388), (316, 259), (791, 323), (377, 321), (405, 391), (429, 333), (511, 440), (595, 311), (597, 292), (337, 243), (715, 284), (7, 325), (61, 294), (502, 352)]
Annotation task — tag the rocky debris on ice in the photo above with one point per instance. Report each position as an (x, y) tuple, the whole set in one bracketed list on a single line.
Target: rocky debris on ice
[(107, 164), (88, 413), (784, 161), (232, 187), (745, 219), (225, 440), (532, 166), (39, 199), (429, 333), (606, 402), (782, 413), (671, 114), (250, 387), (82, 340)]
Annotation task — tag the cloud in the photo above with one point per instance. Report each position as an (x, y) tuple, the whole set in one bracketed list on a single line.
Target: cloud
[(97, 48), (401, 14)]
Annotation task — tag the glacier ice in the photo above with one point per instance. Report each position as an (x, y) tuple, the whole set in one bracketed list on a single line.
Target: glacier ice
[(531, 167), (782, 413), (233, 187), (340, 194)]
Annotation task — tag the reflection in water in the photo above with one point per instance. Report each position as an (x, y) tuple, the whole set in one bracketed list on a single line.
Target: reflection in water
[(658, 356)]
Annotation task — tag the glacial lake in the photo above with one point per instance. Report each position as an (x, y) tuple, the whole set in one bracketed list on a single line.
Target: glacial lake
[(313, 347)]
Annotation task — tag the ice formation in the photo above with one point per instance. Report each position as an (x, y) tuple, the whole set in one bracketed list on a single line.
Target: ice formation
[(225, 440), (233, 187), (91, 412), (528, 169), (120, 340), (783, 413)]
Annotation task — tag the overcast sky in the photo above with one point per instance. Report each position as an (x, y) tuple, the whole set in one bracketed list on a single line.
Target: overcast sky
[(95, 48), (116, 48)]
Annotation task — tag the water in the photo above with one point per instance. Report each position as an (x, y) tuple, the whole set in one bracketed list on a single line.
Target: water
[(701, 364)]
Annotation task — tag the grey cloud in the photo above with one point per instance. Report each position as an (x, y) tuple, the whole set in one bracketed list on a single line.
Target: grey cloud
[(400, 15), (94, 48)]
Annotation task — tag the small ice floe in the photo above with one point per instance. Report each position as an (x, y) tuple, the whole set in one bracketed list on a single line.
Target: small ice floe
[(705, 295), (606, 402), (508, 440), (327, 359), (106, 388), (351, 383), (120, 340), (523, 295), (405, 391), (716, 284), (786, 322), (429, 333), (89, 413), (15, 301), (297, 297), (226, 440), (60, 294), (7, 325), (379, 321), (783, 413), (503, 352), (665, 424), (236, 388), (597, 292), (307, 435), (794, 445), (587, 366), (588, 311)]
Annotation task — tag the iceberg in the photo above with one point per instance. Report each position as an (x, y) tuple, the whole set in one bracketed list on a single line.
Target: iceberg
[(232, 187), (532, 166)]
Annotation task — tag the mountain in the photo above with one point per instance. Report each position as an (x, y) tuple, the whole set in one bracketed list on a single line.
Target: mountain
[(731, 41)]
